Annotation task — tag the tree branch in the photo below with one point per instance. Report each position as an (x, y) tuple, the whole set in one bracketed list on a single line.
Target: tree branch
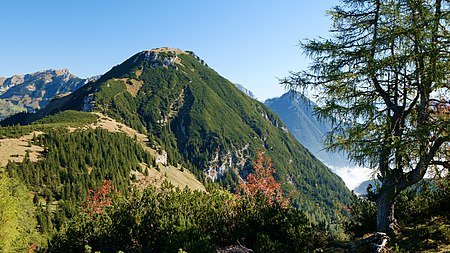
[(445, 164), (419, 171)]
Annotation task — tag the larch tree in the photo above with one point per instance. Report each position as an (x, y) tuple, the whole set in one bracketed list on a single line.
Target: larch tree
[(382, 78)]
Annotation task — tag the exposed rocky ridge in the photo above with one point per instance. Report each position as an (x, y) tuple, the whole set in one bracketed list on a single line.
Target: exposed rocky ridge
[(31, 92), (155, 59)]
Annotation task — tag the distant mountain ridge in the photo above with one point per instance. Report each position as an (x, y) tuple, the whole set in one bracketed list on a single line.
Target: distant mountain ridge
[(296, 111), (31, 92), (245, 90), (203, 122)]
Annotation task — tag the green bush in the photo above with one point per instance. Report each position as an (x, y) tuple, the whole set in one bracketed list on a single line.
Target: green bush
[(422, 201), (18, 226), (362, 217), (415, 206)]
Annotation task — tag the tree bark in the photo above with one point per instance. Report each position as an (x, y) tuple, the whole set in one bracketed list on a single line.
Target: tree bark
[(386, 221)]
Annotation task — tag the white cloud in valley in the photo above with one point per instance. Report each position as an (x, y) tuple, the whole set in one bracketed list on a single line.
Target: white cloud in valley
[(352, 176)]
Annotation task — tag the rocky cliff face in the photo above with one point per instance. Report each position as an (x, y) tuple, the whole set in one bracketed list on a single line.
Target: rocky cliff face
[(31, 92), (6, 83)]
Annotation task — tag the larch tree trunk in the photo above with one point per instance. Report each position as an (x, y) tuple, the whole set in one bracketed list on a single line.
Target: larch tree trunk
[(386, 221)]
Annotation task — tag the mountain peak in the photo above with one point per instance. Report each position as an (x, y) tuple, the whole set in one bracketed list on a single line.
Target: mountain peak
[(166, 50), (161, 56), (50, 74), (297, 112), (60, 72), (155, 58)]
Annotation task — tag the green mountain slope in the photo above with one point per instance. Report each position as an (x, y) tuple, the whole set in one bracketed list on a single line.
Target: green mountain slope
[(204, 123)]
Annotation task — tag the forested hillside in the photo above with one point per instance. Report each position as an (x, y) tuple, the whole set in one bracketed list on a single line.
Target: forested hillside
[(90, 190), (72, 164), (205, 124)]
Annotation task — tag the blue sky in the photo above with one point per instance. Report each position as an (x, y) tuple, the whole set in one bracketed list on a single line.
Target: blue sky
[(250, 42)]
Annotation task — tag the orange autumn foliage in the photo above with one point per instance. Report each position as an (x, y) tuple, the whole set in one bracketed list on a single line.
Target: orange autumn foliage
[(100, 198), (262, 183)]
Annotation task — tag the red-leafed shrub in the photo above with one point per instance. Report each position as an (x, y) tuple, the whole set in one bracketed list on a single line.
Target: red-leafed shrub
[(100, 198), (263, 184)]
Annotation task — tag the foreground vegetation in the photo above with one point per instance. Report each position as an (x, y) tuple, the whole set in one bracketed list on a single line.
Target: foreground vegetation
[(163, 219), (167, 219), (422, 213), (18, 224)]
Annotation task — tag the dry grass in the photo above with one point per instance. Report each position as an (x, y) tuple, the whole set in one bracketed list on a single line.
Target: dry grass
[(15, 149), (180, 178), (133, 85), (112, 125), (138, 72), (172, 174)]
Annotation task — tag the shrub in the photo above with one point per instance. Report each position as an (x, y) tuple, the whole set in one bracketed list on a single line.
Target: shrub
[(362, 216), (168, 219)]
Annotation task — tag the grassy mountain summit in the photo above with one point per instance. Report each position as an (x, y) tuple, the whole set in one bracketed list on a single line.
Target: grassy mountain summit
[(204, 123)]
